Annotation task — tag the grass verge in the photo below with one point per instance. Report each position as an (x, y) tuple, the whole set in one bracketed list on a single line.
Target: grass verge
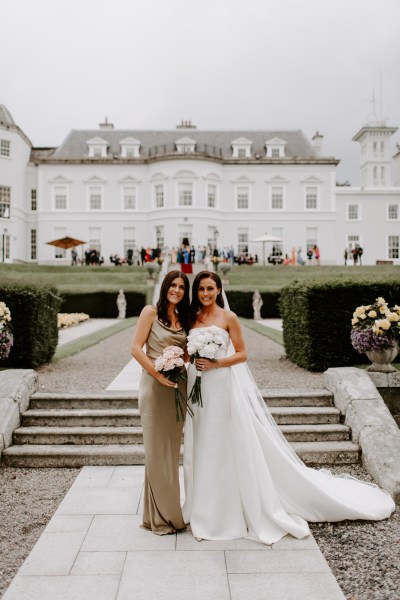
[(93, 338), (269, 332)]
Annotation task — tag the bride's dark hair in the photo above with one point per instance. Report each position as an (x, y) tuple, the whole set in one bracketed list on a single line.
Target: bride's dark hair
[(182, 308), (195, 305)]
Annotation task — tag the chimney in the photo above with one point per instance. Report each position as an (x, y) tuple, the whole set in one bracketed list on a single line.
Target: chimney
[(106, 124), (186, 125), (317, 139)]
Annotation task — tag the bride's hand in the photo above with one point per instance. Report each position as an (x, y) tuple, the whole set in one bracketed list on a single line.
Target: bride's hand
[(204, 364), (165, 381)]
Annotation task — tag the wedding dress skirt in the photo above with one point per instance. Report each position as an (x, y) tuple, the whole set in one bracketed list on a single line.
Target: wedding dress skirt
[(243, 479)]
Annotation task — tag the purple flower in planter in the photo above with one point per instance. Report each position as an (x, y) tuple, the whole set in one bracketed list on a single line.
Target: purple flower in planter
[(6, 342), (364, 340)]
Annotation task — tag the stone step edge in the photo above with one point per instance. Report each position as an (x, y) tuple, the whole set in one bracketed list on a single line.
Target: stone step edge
[(114, 395), (134, 449)]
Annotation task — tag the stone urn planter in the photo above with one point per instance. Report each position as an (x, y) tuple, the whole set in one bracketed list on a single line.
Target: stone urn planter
[(382, 359)]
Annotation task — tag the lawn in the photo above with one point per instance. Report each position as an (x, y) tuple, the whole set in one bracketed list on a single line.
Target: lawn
[(79, 279), (274, 278)]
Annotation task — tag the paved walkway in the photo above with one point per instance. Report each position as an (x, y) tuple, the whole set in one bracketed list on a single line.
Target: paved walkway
[(94, 549), (70, 334)]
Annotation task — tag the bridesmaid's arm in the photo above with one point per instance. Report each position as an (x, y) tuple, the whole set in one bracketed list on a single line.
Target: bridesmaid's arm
[(142, 331)]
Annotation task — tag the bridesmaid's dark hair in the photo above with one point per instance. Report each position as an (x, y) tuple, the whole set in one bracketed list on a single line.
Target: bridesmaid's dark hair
[(195, 305), (182, 308)]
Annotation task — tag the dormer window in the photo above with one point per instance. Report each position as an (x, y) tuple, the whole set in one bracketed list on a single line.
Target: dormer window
[(97, 148), (241, 148), (185, 145), (275, 148), (130, 148)]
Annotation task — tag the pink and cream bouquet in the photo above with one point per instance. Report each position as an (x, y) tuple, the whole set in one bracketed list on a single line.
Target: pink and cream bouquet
[(202, 345), (6, 337), (171, 364)]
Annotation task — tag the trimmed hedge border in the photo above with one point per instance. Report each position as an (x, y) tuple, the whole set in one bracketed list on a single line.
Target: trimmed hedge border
[(242, 304), (102, 305), (317, 319), (34, 312)]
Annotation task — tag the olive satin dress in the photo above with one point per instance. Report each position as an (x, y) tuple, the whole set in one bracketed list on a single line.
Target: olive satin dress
[(162, 436)]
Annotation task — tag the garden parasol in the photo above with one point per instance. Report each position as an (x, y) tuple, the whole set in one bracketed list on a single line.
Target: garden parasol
[(266, 238), (66, 242)]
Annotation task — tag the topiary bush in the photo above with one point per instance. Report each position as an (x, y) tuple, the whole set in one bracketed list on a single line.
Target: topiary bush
[(34, 312), (102, 305), (317, 319), (242, 304)]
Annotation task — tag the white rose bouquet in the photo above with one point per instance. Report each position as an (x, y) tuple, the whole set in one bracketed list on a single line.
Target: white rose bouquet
[(170, 363), (202, 345), (6, 337)]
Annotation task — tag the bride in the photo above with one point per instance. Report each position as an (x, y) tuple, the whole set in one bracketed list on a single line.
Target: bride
[(242, 478)]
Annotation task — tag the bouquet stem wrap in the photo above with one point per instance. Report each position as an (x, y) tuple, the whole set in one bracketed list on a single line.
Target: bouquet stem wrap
[(195, 394)]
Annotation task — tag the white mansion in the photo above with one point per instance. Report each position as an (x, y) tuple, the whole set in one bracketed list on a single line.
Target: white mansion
[(117, 189)]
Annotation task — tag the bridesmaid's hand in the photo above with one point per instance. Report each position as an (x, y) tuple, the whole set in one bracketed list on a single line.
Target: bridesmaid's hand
[(164, 380), (204, 364)]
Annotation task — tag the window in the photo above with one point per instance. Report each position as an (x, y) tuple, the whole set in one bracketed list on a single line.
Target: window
[(275, 153), (242, 152), (352, 242), (159, 194), (184, 234), (185, 194), (311, 237), (33, 244), (5, 147), (95, 198), (60, 197), (211, 196), (375, 175), (353, 212), (393, 212), (97, 152), (129, 239), (129, 194), (382, 148), (95, 239), (277, 247), (277, 198), (243, 241), (60, 232), (311, 198), (7, 247), (242, 198), (393, 246), (160, 236), (212, 237), (5, 202), (382, 175), (130, 153), (33, 200)]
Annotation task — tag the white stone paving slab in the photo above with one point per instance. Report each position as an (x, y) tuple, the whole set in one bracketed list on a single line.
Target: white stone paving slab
[(126, 476), (283, 586), (186, 541), (291, 543), (99, 563), (128, 378), (100, 501), (273, 323), (63, 523), (53, 553), (122, 533), (284, 561), (88, 587), (70, 334), (174, 576), (91, 476)]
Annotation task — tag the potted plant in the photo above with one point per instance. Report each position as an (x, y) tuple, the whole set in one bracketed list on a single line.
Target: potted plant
[(376, 333), (6, 337), (224, 268), (152, 270)]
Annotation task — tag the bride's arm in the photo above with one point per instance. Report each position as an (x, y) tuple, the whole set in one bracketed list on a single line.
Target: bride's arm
[(140, 336)]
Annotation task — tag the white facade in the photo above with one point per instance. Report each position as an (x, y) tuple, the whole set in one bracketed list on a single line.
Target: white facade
[(119, 189)]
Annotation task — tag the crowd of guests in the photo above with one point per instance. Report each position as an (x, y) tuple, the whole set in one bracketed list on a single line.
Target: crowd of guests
[(296, 257), (354, 254)]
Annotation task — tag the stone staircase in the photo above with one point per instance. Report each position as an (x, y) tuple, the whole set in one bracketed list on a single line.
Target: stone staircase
[(72, 430)]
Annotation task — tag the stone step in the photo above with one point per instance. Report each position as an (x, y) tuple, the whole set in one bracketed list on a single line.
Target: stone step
[(301, 415), (32, 456), (134, 435), (293, 415), (110, 400), (81, 417)]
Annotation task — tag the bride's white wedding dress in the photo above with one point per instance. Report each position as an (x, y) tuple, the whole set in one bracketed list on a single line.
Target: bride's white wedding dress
[(243, 479)]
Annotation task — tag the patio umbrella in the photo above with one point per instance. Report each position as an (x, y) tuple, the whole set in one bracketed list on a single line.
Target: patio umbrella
[(66, 242), (264, 239)]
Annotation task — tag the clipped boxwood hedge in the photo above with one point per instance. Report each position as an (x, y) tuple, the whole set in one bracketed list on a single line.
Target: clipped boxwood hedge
[(102, 305), (242, 304), (34, 323), (317, 319)]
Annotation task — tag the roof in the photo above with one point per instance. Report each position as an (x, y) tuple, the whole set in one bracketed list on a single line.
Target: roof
[(75, 147), (6, 116)]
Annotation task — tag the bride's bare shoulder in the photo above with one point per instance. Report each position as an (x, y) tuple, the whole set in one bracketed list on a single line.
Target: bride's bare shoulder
[(231, 318)]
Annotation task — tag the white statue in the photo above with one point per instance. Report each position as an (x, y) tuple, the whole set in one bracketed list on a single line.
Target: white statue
[(121, 304), (257, 304)]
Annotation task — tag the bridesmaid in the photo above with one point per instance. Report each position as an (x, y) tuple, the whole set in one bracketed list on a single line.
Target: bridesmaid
[(159, 327)]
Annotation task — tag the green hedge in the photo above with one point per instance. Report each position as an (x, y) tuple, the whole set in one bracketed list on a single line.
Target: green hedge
[(34, 323), (242, 304), (317, 319), (102, 305)]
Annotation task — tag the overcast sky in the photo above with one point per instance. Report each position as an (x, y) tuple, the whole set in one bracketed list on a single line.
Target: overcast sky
[(224, 64)]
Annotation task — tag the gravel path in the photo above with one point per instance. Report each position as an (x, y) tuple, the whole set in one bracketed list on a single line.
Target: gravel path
[(364, 556)]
